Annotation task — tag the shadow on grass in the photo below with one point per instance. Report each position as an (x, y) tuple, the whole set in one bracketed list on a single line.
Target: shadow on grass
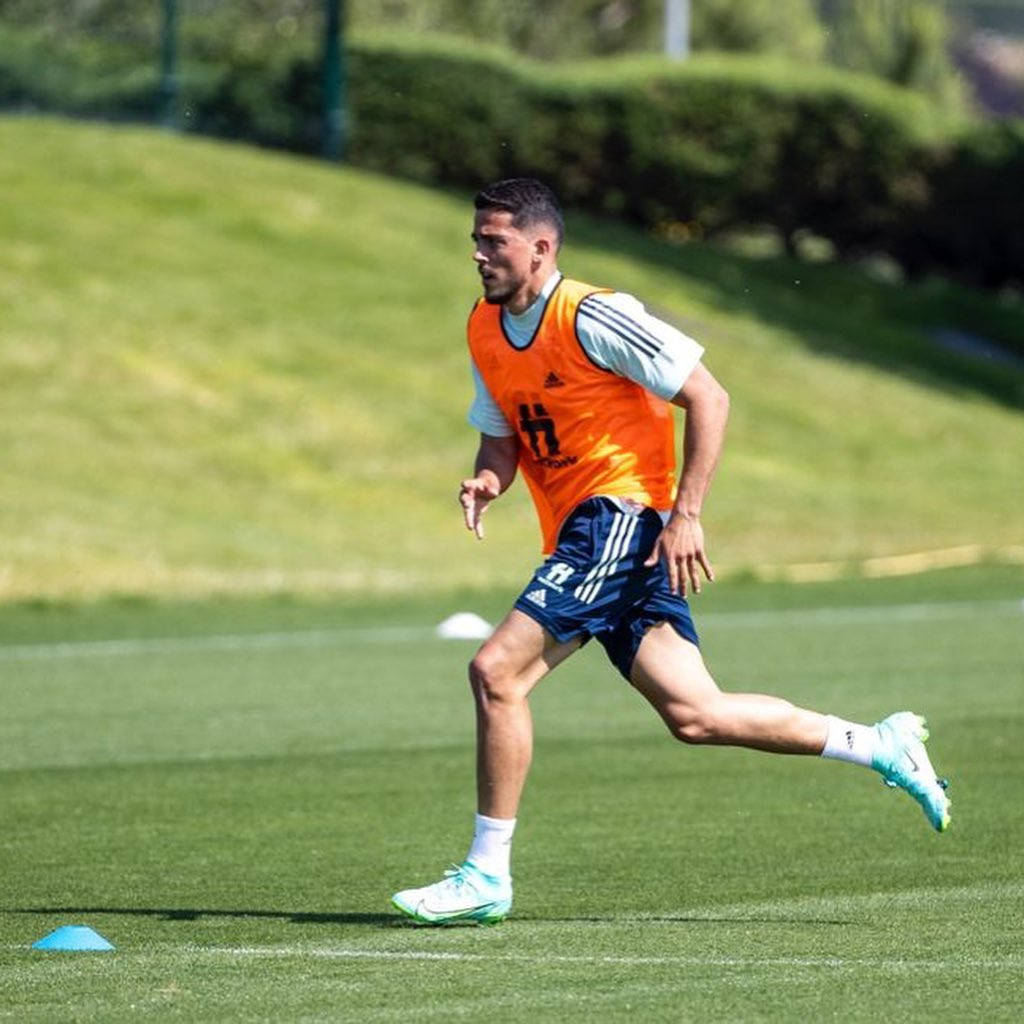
[(689, 919), (399, 921), (195, 914)]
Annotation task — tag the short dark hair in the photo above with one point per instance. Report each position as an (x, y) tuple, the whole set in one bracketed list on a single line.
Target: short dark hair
[(528, 200)]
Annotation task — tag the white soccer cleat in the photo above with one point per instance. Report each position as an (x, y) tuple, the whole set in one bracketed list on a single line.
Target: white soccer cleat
[(464, 894), (901, 759)]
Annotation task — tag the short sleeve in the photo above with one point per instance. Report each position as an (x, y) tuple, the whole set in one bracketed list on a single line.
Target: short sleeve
[(618, 333), (484, 413)]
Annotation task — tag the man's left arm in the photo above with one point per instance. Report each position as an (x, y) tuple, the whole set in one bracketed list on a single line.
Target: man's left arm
[(681, 542)]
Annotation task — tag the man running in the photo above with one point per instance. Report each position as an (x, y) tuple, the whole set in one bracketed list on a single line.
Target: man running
[(573, 389)]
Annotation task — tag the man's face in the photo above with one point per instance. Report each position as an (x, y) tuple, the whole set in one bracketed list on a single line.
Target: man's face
[(504, 255)]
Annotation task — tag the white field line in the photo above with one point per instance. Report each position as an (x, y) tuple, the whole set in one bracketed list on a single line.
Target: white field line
[(831, 963), (828, 616), (1008, 963), (939, 611), (219, 642), (935, 897)]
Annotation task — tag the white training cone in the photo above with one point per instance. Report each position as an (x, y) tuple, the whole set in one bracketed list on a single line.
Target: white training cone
[(464, 626)]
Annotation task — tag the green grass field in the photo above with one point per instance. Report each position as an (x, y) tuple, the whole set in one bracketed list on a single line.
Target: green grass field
[(229, 371), (232, 373), (230, 791)]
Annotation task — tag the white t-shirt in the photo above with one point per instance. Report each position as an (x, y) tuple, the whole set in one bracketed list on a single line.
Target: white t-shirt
[(616, 332)]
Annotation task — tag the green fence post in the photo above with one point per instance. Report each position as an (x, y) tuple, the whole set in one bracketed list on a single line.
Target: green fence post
[(335, 109), (168, 95)]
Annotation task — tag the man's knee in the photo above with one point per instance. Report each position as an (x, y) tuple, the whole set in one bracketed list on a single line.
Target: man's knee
[(492, 677), (695, 724)]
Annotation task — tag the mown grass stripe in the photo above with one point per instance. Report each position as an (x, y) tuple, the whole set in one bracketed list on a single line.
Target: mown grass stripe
[(829, 616)]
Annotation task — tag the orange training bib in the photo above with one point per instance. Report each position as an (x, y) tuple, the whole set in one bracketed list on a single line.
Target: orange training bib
[(582, 430)]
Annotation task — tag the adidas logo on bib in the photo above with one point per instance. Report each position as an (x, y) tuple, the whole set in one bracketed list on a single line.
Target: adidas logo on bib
[(538, 597)]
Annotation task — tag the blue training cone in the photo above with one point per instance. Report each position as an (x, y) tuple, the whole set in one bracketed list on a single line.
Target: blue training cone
[(73, 938)]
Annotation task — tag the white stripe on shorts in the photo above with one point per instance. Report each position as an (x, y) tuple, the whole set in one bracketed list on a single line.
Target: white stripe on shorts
[(615, 547), (617, 523)]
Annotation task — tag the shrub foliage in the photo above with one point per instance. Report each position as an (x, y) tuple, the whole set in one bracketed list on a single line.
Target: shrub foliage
[(689, 149)]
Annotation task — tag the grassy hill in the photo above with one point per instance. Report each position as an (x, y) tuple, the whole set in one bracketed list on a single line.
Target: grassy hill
[(228, 370)]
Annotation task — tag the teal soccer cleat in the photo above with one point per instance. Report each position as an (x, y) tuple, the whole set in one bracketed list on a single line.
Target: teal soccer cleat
[(464, 894), (901, 759)]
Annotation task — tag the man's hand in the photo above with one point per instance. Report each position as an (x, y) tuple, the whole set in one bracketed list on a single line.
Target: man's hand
[(494, 470), (681, 546), (475, 495)]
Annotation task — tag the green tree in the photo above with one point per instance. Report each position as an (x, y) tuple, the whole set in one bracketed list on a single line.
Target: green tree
[(573, 28), (904, 41), (789, 27), (582, 28)]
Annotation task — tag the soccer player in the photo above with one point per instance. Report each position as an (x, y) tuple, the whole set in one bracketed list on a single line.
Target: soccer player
[(573, 390)]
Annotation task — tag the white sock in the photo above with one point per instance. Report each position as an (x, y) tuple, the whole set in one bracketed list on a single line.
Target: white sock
[(849, 741), (491, 850)]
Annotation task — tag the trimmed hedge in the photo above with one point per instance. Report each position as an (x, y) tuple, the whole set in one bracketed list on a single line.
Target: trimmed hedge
[(973, 225), (88, 78), (691, 149)]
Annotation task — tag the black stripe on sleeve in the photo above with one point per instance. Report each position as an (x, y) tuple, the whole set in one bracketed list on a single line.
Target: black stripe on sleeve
[(623, 327), (628, 323)]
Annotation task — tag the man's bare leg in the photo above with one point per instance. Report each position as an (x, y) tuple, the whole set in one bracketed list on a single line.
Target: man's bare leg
[(504, 671), (510, 663), (670, 672)]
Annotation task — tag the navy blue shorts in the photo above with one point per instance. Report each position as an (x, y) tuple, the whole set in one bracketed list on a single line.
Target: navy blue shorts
[(595, 583)]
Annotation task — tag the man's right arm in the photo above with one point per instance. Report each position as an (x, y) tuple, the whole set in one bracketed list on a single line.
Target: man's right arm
[(493, 473)]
